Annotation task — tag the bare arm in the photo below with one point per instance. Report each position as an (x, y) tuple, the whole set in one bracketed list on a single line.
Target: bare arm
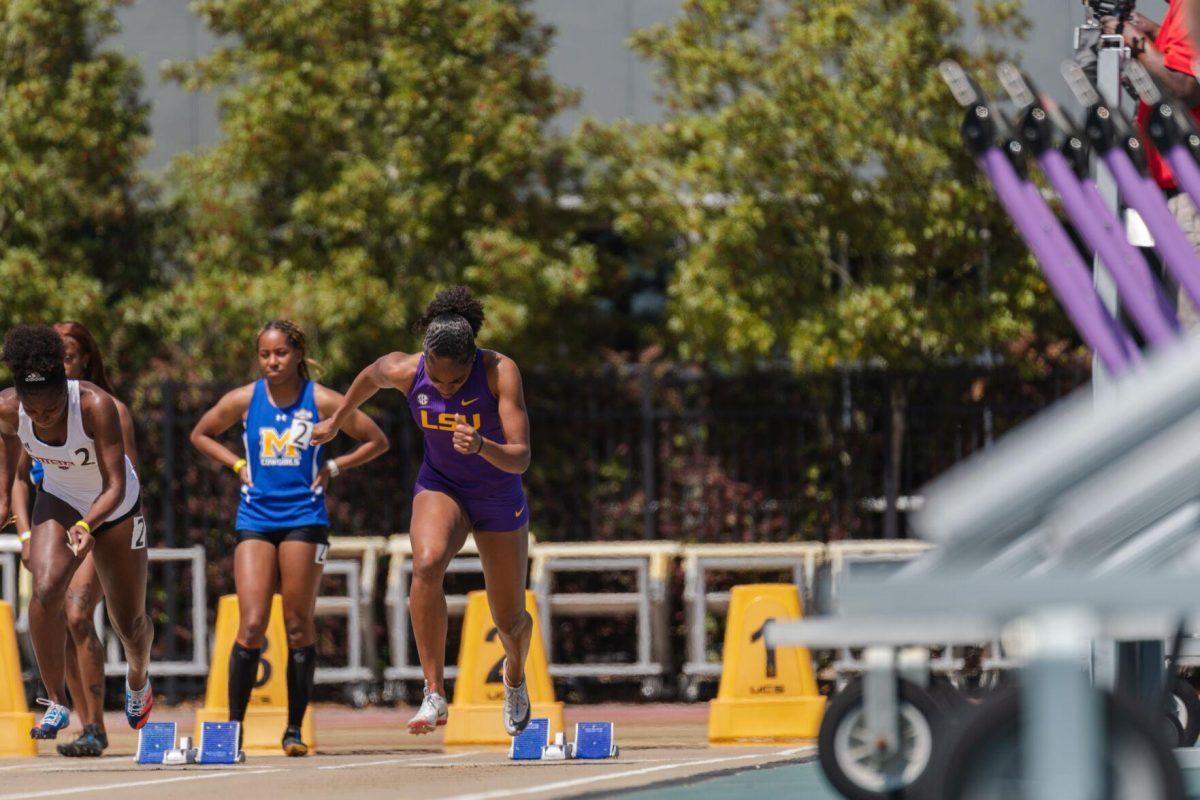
[(1178, 84), (10, 450), (22, 496), (127, 434), (228, 411), (1139, 34), (393, 371), (358, 426), (101, 417), (514, 455)]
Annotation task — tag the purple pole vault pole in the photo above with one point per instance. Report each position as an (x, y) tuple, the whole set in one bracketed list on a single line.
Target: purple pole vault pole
[(1065, 272), (1064, 158), (1140, 292)]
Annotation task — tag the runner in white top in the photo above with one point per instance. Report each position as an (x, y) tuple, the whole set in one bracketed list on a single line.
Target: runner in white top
[(89, 504)]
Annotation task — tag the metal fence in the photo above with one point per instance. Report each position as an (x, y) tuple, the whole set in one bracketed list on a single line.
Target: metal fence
[(631, 452)]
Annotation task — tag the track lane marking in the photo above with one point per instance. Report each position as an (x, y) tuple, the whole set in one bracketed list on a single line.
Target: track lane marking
[(101, 787), (569, 784), (409, 759)]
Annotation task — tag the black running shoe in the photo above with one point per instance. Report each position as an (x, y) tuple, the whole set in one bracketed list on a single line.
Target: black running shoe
[(293, 745), (88, 744)]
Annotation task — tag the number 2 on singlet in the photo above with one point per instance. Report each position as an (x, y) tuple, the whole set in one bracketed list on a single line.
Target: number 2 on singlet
[(139, 533)]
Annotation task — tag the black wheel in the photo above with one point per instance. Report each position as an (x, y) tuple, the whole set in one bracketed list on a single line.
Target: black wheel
[(851, 762), (1186, 707), (985, 760)]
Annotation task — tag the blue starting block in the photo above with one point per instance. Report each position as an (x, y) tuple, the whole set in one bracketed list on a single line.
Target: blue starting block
[(154, 740), (219, 743), (531, 743), (594, 740)]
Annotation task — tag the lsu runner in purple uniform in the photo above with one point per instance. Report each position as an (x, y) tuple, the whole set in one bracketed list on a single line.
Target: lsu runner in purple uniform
[(470, 406)]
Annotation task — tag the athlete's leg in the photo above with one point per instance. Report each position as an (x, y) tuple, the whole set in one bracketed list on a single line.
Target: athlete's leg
[(254, 576), (86, 675), (438, 531), (122, 572), (79, 698), (52, 565), (505, 558), (299, 580)]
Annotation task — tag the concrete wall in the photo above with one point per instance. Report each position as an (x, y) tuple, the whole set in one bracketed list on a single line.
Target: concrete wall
[(589, 53)]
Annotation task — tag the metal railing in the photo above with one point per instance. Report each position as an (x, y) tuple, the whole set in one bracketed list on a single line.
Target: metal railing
[(356, 559), (198, 663), (649, 564), (801, 559)]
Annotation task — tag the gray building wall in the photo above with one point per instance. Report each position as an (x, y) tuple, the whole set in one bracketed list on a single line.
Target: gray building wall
[(589, 53)]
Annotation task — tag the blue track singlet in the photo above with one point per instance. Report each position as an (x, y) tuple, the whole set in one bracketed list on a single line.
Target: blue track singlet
[(283, 464)]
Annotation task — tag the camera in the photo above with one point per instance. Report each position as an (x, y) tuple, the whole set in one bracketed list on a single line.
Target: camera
[(1121, 9)]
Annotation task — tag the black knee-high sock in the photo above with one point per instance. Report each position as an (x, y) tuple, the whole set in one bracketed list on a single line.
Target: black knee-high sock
[(243, 672), (302, 664)]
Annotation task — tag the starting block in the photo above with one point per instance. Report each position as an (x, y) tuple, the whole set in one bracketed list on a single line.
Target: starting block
[(531, 743), (594, 740), (219, 743), (155, 740)]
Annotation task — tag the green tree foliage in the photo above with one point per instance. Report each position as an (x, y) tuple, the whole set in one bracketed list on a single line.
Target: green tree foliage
[(371, 153), (74, 235), (810, 187)]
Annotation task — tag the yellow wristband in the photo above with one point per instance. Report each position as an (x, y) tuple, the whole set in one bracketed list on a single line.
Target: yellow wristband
[(83, 524), (23, 536), (237, 466)]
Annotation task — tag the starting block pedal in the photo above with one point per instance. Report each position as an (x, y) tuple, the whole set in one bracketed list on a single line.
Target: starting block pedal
[(531, 743), (219, 743), (594, 740), (155, 740)]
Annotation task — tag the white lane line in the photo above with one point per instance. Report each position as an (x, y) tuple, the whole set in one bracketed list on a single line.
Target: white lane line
[(414, 759), (551, 787), (101, 787)]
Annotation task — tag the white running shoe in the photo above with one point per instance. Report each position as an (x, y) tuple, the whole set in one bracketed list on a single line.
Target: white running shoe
[(517, 709), (432, 713)]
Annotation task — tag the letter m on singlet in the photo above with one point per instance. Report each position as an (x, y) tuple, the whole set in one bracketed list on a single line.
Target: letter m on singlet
[(277, 444)]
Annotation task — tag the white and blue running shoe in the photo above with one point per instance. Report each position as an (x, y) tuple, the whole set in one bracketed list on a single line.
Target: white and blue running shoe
[(54, 720)]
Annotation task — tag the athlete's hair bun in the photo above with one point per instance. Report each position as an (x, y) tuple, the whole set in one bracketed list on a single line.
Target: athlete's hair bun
[(451, 323), (35, 353), (454, 300)]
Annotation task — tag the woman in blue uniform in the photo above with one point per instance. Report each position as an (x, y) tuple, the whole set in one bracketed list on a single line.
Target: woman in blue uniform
[(282, 524), (470, 406)]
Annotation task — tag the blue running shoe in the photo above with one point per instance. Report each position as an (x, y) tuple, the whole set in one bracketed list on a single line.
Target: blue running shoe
[(54, 720), (138, 705)]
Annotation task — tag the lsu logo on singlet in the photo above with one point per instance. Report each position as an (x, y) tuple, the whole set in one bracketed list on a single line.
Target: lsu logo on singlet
[(282, 448), (445, 421)]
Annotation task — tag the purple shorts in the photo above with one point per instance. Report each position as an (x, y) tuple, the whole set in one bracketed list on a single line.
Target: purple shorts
[(492, 509)]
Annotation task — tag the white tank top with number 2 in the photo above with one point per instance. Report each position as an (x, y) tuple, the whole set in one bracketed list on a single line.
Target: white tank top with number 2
[(71, 471)]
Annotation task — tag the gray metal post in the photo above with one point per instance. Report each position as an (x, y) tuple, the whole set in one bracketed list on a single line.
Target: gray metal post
[(1062, 725), (1108, 77)]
